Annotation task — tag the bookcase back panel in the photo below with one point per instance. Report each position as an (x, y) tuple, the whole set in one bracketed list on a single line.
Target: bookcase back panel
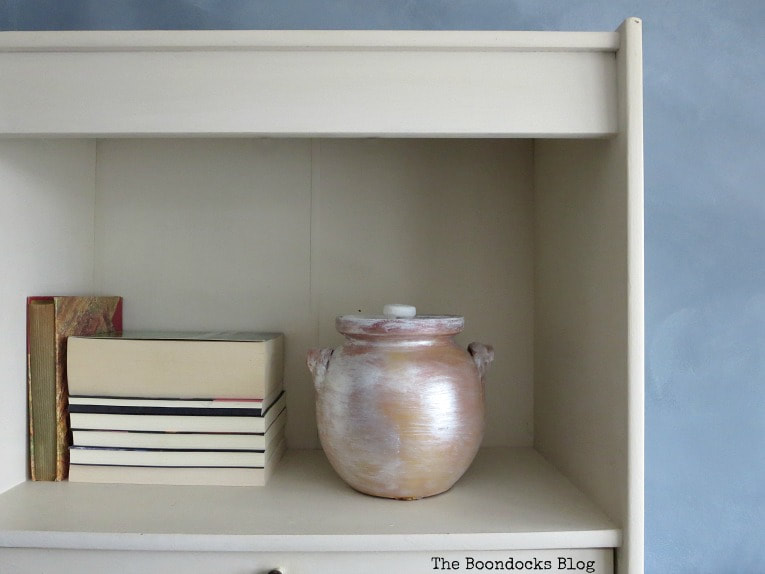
[(286, 234), (443, 225), (46, 234), (212, 235)]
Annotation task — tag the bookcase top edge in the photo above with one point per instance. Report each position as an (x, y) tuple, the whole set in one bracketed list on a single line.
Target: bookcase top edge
[(305, 40)]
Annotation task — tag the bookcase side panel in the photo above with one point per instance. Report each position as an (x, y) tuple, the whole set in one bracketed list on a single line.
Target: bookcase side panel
[(46, 207), (444, 225), (581, 361), (589, 334), (201, 234)]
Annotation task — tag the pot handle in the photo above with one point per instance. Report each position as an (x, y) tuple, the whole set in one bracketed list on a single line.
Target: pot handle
[(482, 355), (318, 362)]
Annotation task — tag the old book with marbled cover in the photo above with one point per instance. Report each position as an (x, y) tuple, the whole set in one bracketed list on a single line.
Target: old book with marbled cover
[(50, 320)]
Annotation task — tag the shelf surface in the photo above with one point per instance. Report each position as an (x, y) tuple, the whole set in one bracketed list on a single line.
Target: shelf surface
[(509, 499)]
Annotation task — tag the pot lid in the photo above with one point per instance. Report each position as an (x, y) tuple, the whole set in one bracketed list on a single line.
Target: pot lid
[(398, 319)]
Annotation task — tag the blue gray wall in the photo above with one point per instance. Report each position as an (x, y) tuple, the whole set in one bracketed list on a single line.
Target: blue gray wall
[(705, 228)]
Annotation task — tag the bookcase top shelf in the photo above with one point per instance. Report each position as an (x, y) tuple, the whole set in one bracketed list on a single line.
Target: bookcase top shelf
[(509, 499), (309, 83)]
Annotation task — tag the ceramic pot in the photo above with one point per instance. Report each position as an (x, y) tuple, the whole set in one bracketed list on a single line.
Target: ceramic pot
[(399, 406)]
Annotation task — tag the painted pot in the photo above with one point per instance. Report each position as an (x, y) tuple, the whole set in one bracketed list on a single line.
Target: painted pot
[(399, 406)]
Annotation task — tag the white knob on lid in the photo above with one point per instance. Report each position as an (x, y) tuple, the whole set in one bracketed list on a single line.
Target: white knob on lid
[(399, 311)]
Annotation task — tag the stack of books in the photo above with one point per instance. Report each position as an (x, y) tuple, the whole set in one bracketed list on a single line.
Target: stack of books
[(176, 408)]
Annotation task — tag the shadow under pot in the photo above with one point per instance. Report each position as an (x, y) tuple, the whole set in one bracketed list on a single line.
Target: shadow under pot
[(399, 406)]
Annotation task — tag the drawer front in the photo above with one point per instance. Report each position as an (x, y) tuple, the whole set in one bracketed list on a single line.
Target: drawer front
[(569, 561)]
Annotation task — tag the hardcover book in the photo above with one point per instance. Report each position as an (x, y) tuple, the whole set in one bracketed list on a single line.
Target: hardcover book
[(169, 406), (50, 321), (237, 365), (179, 475), (203, 423), (167, 458), (182, 440)]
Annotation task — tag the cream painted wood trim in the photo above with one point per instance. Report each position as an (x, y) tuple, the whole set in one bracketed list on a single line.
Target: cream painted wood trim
[(560, 561), (516, 501), (360, 84), (305, 40), (630, 78)]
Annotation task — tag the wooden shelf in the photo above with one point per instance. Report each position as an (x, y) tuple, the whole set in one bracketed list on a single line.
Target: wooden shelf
[(332, 83), (509, 499)]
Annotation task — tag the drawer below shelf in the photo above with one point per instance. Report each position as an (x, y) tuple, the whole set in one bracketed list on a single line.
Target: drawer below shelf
[(510, 499), (551, 561)]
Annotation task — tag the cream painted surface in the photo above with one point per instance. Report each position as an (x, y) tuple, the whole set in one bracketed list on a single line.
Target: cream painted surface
[(203, 232), (46, 233), (630, 105), (393, 89), (284, 235), (307, 40), (212, 235), (589, 309), (510, 499), (561, 561), (580, 392), (443, 225)]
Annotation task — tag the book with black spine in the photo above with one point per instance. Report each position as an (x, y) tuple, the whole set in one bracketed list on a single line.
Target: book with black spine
[(159, 422), (182, 440), (193, 476)]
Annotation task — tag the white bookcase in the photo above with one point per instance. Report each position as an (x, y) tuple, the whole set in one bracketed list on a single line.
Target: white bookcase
[(272, 180)]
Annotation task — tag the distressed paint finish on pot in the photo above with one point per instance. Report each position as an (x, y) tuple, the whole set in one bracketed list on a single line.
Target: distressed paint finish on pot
[(400, 408)]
